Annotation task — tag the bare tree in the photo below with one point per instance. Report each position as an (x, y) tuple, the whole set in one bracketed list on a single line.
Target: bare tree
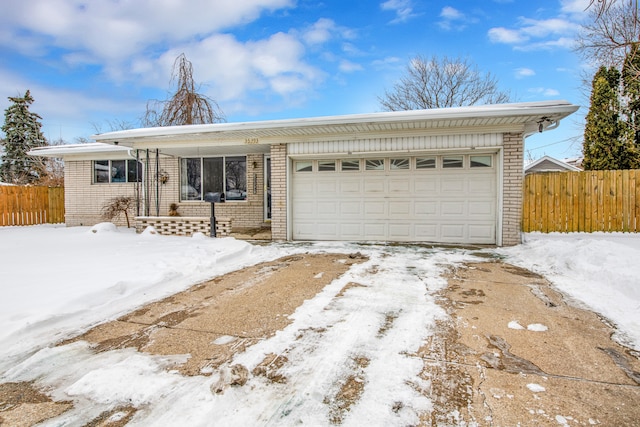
[(116, 206), (440, 83), (613, 28), (52, 168), (186, 106)]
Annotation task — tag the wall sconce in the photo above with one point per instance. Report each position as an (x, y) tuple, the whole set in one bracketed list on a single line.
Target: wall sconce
[(255, 165)]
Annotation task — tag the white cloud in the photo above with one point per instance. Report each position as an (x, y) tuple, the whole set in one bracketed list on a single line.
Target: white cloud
[(452, 19), (578, 7), (524, 72), (449, 12), (402, 8), (349, 67), (548, 92), (507, 36), (105, 30), (538, 34)]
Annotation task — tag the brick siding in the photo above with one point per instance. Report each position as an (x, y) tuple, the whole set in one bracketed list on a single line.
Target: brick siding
[(513, 145), (279, 192), (84, 199)]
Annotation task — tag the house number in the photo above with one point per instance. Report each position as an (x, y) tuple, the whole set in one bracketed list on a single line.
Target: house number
[(251, 140)]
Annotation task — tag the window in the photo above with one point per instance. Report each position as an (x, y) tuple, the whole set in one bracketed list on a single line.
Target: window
[(199, 176), (114, 171), (425, 163), (396, 164), (350, 165), (452, 161), (326, 165), (374, 165), (480, 161), (304, 167)]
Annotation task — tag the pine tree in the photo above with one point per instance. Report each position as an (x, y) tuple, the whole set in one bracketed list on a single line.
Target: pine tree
[(607, 137), (22, 131)]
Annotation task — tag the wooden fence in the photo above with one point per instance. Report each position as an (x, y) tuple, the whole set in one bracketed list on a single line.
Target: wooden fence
[(31, 205), (582, 201)]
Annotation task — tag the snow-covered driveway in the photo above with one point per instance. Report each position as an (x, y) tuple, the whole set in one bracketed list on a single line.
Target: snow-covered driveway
[(58, 282)]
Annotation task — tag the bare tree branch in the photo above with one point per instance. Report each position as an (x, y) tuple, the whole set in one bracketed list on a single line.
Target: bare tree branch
[(186, 106), (440, 83)]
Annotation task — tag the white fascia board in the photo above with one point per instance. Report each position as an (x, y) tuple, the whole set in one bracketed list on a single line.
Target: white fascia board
[(93, 150), (558, 109)]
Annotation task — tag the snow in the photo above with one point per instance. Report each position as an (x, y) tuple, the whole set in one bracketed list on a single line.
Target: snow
[(597, 270), (536, 388), (537, 327), (515, 325), (58, 282)]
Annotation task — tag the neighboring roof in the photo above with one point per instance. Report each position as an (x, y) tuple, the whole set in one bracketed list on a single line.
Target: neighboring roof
[(81, 150), (529, 117), (549, 164)]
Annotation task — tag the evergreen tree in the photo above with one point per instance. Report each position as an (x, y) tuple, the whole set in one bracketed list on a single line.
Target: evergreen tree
[(22, 133), (607, 137)]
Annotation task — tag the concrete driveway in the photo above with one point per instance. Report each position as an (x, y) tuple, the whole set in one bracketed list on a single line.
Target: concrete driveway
[(512, 351)]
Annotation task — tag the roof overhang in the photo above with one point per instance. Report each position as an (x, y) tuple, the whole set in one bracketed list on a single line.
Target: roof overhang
[(256, 137), (83, 151)]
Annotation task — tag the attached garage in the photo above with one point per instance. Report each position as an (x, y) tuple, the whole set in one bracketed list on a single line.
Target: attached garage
[(449, 198)]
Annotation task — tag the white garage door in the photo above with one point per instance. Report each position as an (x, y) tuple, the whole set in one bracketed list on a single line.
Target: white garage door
[(447, 199)]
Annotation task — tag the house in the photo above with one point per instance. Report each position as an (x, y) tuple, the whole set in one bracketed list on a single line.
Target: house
[(449, 175), (549, 164)]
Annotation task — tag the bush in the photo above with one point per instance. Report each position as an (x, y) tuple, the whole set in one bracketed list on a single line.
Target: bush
[(116, 206)]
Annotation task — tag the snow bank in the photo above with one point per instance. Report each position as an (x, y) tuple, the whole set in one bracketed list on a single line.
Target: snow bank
[(602, 271)]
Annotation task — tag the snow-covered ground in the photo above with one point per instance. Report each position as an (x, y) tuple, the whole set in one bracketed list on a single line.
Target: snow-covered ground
[(57, 282)]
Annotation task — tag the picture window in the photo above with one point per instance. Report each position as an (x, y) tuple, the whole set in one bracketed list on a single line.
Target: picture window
[(116, 171), (202, 175)]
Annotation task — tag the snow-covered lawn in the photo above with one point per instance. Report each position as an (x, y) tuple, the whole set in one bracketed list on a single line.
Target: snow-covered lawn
[(57, 282)]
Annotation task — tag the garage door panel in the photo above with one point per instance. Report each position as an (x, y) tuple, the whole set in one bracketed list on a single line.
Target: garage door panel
[(428, 208), (374, 186), (350, 230), (452, 231), (400, 232), (326, 187), (481, 208), (351, 208), (374, 231), (350, 186), (479, 233), (433, 205), (426, 232), (481, 185), (452, 185), (375, 208), (449, 207), (327, 208), (424, 186), (305, 208), (400, 209), (399, 187)]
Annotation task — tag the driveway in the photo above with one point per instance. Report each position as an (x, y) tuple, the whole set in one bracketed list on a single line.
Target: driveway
[(490, 344)]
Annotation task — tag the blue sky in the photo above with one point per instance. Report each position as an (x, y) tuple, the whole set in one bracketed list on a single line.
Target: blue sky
[(89, 63)]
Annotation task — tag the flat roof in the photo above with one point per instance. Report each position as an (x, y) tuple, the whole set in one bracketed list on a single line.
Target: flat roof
[(483, 115)]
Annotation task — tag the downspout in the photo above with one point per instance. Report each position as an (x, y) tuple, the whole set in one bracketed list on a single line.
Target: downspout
[(157, 182)]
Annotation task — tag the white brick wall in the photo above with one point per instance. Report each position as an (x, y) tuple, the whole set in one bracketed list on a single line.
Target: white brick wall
[(84, 199), (279, 192), (512, 188)]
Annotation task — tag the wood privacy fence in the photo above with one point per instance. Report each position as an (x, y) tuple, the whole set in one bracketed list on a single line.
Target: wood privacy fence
[(31, 205), (582, 201)]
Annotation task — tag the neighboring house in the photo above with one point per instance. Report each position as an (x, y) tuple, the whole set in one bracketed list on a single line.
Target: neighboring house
[(549, 164), (445, 175)]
